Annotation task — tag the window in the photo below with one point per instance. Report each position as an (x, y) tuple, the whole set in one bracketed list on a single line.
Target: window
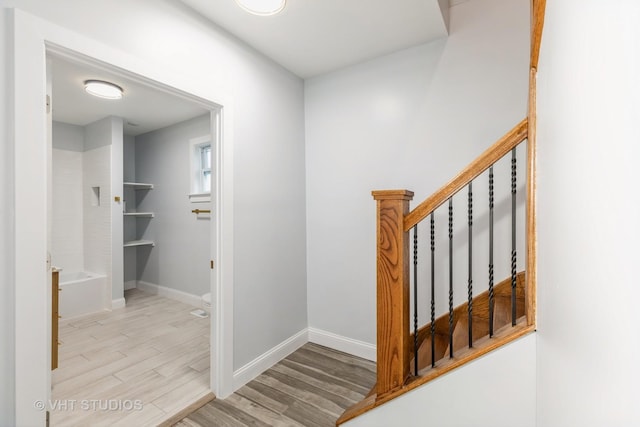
[(205, 169), (200, 152)]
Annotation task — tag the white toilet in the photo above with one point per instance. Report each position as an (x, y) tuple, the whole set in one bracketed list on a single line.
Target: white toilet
[(206, 302), (206, 307)]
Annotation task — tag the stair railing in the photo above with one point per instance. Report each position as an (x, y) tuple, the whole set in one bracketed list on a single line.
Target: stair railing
[(396, 345)]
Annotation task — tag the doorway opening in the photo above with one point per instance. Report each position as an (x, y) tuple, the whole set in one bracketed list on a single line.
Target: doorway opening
[(36, 39), (121, 214)]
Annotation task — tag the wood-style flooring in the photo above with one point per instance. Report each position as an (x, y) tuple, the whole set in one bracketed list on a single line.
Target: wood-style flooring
[(311, 387), (134, 366)]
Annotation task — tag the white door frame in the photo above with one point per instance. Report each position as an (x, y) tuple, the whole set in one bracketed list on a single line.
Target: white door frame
[(32, 39)]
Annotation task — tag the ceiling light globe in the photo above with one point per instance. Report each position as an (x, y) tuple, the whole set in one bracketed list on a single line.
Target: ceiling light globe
[(262, 7), (103, 89)]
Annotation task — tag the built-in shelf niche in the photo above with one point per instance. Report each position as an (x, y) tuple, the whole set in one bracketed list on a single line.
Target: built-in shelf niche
[(138, 185), (140, 214), (134, 243)]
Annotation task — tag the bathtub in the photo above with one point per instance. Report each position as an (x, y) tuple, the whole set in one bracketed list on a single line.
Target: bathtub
[(82, 293)]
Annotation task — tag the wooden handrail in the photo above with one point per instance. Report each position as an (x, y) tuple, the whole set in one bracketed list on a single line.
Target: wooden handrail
[(537, 22), (494, 153)]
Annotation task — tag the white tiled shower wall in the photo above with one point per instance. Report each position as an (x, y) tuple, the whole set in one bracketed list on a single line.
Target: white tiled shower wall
[(82, 223), (67, 235), (97, 219)]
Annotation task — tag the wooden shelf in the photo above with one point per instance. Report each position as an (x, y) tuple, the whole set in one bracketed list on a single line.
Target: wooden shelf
[(133, 243), (140, 214), (138, 185)]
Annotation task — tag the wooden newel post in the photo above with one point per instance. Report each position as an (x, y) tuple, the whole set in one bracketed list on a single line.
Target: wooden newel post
[(393, 289)]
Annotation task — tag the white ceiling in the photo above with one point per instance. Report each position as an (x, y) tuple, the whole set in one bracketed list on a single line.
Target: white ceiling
[(148, 108), (312, 37)]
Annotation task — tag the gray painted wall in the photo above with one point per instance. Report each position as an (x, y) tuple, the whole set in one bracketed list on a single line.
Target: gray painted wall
[(68, 137), (410, 120), (129, 159), (7, 293), (98, 134), (180, 259), (270, 290), (129, 224)]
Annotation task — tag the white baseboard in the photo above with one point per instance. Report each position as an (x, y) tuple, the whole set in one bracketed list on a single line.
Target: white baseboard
[(344, 344), (174, 294), (117, 303), (261, 363), (130, 284)]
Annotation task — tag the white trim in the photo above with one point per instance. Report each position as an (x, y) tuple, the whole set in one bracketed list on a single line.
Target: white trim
[(173, 294), (344, 344), (35, 38), (130, 284), (118, 303), (263, 362), (200, 198), (32, 276), (222, 284), (68, 319)]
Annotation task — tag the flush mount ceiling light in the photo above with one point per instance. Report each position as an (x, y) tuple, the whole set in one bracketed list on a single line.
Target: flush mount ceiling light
[(103, 89), (262, 7)]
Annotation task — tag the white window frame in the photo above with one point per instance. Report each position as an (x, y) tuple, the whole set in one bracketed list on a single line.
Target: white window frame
[(197, 194)]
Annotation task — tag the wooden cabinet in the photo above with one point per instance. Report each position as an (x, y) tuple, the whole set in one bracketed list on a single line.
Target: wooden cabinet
[(55, 290)]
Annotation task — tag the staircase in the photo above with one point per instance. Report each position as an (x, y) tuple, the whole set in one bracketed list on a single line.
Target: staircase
[(409, 356), (493, 314), (440, 345)]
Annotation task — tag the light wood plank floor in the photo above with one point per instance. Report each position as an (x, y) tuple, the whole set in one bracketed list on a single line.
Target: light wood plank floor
[(134, 366), (311, 387)]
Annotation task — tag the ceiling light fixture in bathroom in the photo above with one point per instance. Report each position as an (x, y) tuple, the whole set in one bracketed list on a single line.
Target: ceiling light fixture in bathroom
[(262, 7), (103, 89)]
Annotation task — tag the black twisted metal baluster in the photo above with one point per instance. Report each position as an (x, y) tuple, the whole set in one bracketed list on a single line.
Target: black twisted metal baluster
[(415, 299), (433, 293), (470, 282), (513, 236), (450, 277), (491, 251)]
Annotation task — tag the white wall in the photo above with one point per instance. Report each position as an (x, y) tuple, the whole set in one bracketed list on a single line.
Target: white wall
[(497, 390), (408, 120), (67, 241), (7, 278), (180, 259), (589, 110), (117, 219)]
